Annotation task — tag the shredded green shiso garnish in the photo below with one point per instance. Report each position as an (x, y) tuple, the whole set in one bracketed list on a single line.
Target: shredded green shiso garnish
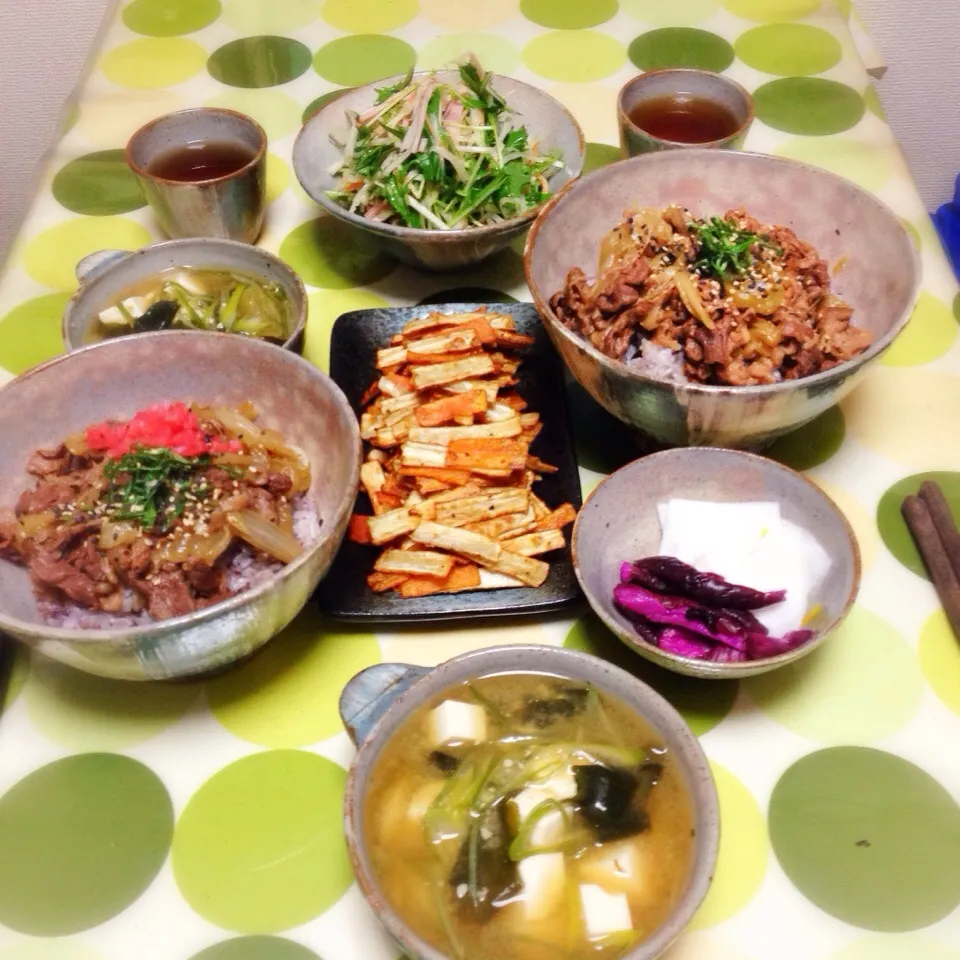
[(724, 249), (439, 156)]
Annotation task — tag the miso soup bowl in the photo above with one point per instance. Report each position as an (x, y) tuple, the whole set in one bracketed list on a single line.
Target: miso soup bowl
[(376, 702), (107, 274)]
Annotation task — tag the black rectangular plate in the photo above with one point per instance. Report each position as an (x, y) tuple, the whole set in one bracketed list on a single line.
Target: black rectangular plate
[(344, 593)]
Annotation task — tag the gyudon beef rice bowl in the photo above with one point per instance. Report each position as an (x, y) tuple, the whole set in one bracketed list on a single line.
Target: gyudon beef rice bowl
[(180, 507), (717, 300)]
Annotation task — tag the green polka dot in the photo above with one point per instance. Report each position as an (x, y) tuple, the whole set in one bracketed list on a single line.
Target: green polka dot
[(868, 837), (494, 52), (853, 159), (324, 306), (80, 840), (329, 253), (568, 14), (812, 444), (743, 856), (352, 61), (789, 49), (314, 105), (50, 950), (872, 99), (940, 659), (829, 696), (890, 522), (98, 184), (468, 295), (771, 11), (368, 16), (574, 56), (154, 62), (30, 333), (502, 271), (599, 155), (930, 333), (669, 13), (287, 695), (84, 712), (170, 18), (51, 257), (256, 17), (14, 670), (259, 61), (278, 177), (256, 948), (895, 947), (277, 112), (259, 848), (810, 106), (603, 443), (680, 47), (702, 705), (956, 300)]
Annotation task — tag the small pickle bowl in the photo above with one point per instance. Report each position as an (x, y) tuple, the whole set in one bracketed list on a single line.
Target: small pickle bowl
[(378, 700), (112, 381), (106, 275), (547, 121), (619, 523)]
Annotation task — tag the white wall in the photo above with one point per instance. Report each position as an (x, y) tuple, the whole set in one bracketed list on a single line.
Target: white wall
[(920, 42), (44, 46)]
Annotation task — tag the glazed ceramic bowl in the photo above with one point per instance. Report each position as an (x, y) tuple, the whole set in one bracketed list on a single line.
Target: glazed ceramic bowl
[(106, 274), (880, 280), (546, 120), (116, 378), (378, 700), (619, 522), (682, 84)]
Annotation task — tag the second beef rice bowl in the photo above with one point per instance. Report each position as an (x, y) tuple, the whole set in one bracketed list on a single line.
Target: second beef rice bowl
[(172, 511), (718, 300)]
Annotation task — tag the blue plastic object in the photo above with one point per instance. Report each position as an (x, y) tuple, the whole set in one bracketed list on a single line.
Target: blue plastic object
[(947, 222)]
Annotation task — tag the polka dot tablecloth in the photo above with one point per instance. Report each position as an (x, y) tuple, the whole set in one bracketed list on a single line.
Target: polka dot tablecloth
[(202, 821)]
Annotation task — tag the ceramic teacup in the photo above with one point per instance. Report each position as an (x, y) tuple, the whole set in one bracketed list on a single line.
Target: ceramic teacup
[(229, 206), (682, 84)]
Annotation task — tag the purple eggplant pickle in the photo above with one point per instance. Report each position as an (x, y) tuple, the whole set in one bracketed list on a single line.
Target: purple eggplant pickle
[(683, 643)]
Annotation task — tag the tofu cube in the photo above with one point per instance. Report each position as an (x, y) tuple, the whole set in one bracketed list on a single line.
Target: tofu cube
[(604, 913), (454, 721), (135, 306), (544, 879), (620, 867)]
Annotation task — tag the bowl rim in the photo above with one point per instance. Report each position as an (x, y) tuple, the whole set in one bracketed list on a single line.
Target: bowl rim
[(320, 118), (719, 671), (300, 304), (706, 155), (144, 129), (80, 635), (581, 665), (680, 72)]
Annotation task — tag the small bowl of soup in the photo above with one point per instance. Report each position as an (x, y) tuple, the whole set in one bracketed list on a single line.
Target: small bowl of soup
[(528, 802), (194, 284)]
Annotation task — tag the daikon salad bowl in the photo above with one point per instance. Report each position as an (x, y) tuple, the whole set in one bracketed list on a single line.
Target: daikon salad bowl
[(619, 522), (547, 121)]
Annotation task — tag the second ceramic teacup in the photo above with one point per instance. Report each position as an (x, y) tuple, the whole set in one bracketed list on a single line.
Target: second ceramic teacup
[(677, 108), (203, 172)]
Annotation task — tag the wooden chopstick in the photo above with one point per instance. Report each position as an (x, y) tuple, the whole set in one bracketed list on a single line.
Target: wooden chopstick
[(919, 519), (942, 517)]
